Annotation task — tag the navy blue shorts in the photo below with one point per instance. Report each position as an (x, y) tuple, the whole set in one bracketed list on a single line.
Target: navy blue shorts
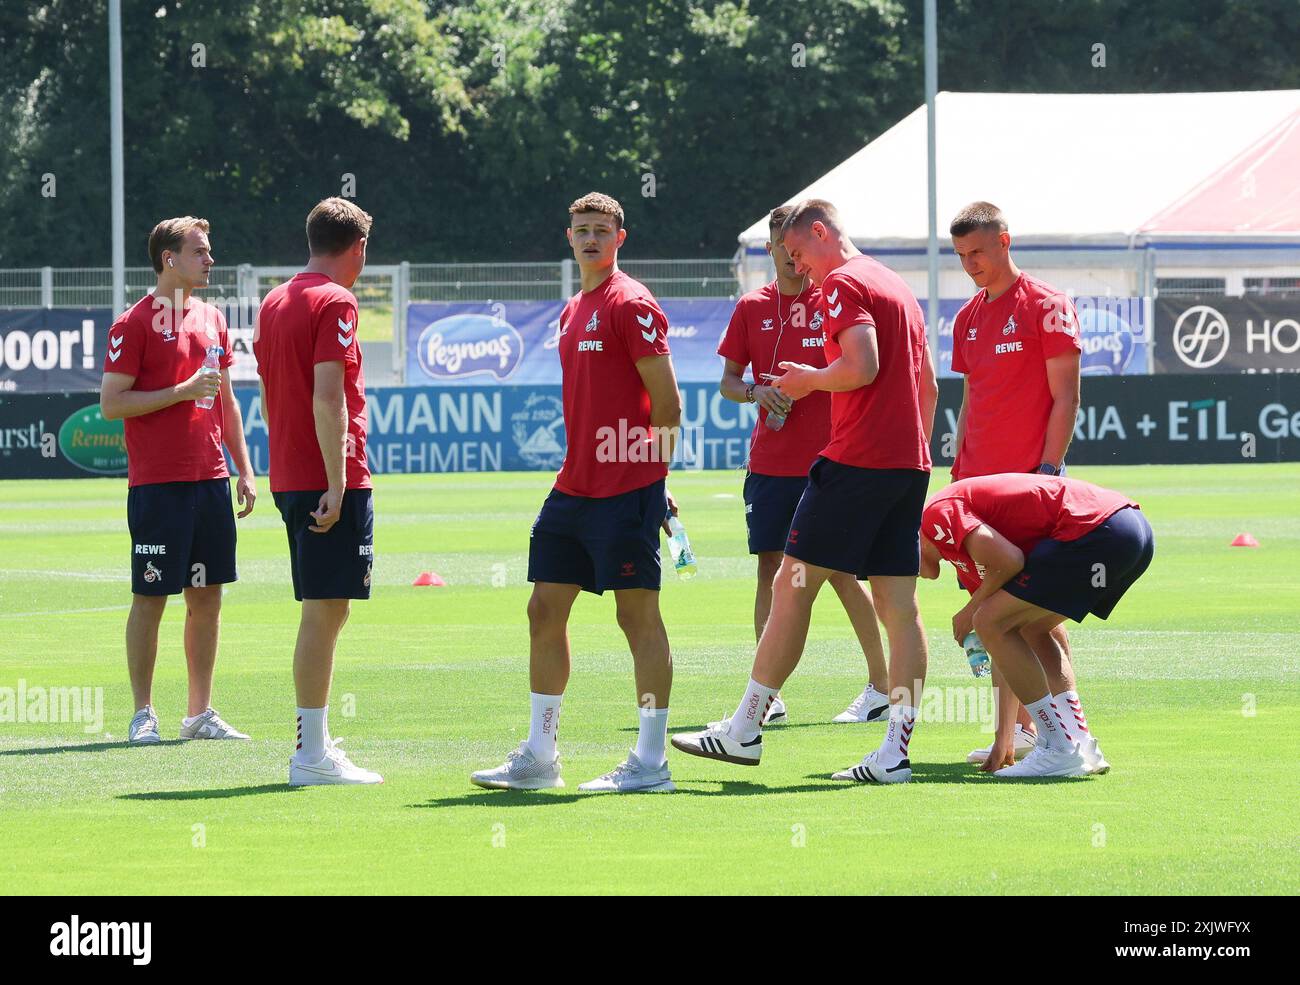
[(610, 542), (770, 502), (337, 563), (862, 521), (1090, 574), (182, 536)]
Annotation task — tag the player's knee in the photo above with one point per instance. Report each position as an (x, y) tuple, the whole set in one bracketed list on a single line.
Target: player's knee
[(986, 623), (769, 563), (637, 620), (542, 613)]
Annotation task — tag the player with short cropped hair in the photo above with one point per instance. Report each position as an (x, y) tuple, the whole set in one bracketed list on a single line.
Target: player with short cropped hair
[(314, 404), (861, 510), (178, 504), (782, 322), (1034, 550), (599, 528), (1016, 344)]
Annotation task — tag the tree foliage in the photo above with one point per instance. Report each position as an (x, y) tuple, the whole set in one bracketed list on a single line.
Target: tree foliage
[(469, 126)]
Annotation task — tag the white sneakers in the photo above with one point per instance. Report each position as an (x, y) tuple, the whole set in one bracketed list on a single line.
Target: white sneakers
[(871, 770), (335, 767), (1023, 742), (143, 730), (210, 725), (716, 742), (520, 771), (632, 776), (775, 712), (869, 706), (1045, 762)]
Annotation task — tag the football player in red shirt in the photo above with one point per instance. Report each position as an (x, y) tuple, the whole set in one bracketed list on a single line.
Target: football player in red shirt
[(861, 510), (599, 527), (1033, 551), (782, 321), (178, 504), (314, 403), (1016, 343)]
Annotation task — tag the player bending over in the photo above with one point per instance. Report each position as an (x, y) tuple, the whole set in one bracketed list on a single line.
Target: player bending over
[(1034, 550)]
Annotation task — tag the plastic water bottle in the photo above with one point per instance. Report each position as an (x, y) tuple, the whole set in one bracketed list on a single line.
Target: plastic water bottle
[(775, 421), (680, 548), (211, 364), (976, 655)]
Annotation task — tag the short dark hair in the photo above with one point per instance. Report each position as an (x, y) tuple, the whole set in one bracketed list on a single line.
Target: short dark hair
[(334, 225), (812, 210), (169, 235), (777, 219), (978, 215), (597, 202)]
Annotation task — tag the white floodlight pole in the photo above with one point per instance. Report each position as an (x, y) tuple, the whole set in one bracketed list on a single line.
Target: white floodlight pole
[(116, 169), (932, 247)]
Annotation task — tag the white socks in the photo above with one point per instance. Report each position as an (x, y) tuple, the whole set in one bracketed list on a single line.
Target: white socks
[(652, 736), (1050, 731), (898, 735), (543, 725), (747, 722), (1070, 716), (313, 731)]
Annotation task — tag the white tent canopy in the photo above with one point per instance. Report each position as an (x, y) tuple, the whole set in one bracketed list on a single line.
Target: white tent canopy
[(1067, 169)]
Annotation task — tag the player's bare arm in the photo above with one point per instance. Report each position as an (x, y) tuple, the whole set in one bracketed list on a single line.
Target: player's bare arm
[(117, 400), (929, 394), (857, 366), (660, 382), (232, 436), (734, 387), (961, 414), (1063, 381), (929, 560), (1001, 561), (330, 411)]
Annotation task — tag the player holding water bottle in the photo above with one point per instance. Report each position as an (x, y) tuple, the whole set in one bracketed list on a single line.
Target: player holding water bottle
[(166, 373)]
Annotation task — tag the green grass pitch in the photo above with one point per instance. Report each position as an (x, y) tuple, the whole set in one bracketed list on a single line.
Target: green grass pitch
[(1191, 687)]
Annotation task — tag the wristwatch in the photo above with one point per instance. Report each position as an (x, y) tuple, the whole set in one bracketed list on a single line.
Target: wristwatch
[(1047, 468)]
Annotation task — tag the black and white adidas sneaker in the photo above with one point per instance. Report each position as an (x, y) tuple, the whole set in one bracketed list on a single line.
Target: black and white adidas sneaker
[(871, 771), (716, 742)]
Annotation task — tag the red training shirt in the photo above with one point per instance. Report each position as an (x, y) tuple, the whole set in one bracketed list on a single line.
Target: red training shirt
[(1022, 507), (180, 443), (877, 426), (606, 407), (766, 329), (306, 321), (1002, 347)]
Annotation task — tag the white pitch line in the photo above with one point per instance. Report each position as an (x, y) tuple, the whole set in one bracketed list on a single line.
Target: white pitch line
[(82, 575), (61, 612)]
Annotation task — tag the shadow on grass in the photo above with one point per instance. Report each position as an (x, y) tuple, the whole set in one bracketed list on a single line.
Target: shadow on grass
[(963, 773), (88, 747), (776, 729), (543, 798), (218, 794)]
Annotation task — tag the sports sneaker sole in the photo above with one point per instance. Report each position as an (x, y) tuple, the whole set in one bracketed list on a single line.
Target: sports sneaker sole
[(155, 741), (774, 719), (720, 756), (666, 787), (538, 784), (847, 777), (314, 781), (881, 715)]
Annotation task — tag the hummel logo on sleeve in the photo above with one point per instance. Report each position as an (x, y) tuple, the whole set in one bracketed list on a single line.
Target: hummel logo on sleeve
[(835, 312), (647, 322), (942, 536), (833, 296), (115, 347), (345, 333)]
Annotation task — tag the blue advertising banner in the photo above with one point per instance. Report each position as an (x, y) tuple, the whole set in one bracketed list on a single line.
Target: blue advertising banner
[(476, 344), (44, 350)]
